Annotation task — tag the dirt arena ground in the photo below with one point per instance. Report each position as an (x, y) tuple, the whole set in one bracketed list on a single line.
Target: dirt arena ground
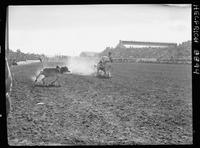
[(141, 104)]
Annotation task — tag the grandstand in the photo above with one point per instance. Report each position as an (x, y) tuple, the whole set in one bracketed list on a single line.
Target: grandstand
[(157, 52)]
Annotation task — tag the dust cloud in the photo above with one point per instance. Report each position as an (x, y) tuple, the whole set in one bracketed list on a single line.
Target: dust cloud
[(76, 65), (82, 65)]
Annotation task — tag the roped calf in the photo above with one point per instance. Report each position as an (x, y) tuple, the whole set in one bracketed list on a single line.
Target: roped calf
[(51, 72)]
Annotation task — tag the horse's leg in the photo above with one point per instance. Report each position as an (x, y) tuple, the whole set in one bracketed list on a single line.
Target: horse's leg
[(98, 68), (55, 80), (97, 71), (104, 70), (37, 77), (43, 82)]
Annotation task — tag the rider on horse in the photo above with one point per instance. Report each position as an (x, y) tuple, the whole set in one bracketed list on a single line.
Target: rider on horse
[(102, 63)]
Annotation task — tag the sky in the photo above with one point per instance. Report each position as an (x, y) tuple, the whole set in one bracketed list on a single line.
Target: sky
[(71, 29)]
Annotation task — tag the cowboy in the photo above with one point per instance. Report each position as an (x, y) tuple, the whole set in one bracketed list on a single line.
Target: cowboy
[(102, 63)]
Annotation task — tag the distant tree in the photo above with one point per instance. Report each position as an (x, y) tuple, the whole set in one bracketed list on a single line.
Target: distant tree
[(18, 51)]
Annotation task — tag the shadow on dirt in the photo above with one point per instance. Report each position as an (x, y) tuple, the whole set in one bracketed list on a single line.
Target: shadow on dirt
[(51, 85), (103, 77)]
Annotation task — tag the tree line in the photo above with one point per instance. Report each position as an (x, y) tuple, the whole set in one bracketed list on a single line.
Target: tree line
[(16, 56)]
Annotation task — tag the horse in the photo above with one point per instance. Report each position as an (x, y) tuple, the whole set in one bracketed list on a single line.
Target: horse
[(103, 64)]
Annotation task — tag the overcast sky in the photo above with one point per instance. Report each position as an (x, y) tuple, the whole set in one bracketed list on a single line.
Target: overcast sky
[(71, 29)]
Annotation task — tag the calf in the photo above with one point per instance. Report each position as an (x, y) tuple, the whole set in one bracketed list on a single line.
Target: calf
[(51, 72), (64, 69)]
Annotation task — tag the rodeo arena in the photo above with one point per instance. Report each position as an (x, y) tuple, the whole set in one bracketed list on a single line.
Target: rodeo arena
[(98, 98), (134, 93)]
